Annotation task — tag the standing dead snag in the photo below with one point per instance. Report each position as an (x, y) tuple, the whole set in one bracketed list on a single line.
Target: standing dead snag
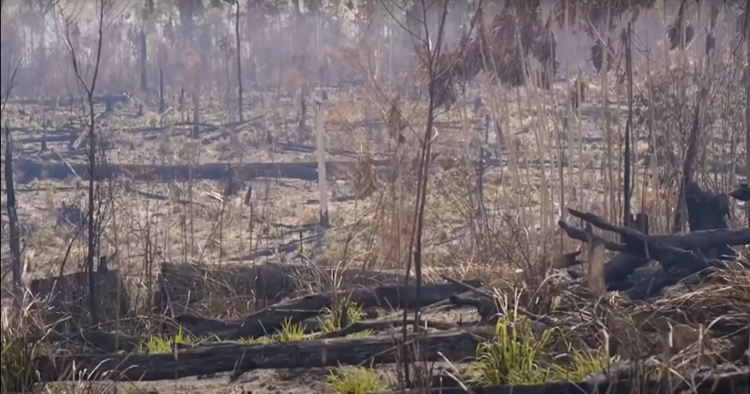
[(89, 88), (627, 194), (595, 278), (15, 242), (239, 58), (322, 179), (162, 104)]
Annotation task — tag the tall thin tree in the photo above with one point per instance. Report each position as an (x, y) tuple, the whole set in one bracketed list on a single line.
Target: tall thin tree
[(89, 89), (239, 58), (628, 127)]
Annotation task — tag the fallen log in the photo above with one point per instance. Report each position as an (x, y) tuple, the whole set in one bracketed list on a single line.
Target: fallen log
[(679, 255), (486, 307), (160, 173), (678, 251), (238, 358), (377, 325), (107, 99), (185, 285), (308, 171), (736, 382), (694, 240), (269, 319)]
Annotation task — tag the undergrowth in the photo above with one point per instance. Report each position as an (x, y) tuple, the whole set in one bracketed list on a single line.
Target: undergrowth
[(348, 313), (18, 373), (163, 345), (356, 380), (516, 356), (290, 332)]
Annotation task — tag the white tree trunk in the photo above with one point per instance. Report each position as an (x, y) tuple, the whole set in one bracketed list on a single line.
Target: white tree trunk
[(322, 181)]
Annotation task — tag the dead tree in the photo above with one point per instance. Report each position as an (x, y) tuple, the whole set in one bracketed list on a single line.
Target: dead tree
[(89, 88), (15, 242), (679, 255), (239, 59)]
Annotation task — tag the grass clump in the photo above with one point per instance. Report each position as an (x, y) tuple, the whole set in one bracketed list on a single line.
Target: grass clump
[(18, 372), (162, 345), (582, 365), (332, 319), (356, 380), (516, 356), (256, 341), (290, 332)]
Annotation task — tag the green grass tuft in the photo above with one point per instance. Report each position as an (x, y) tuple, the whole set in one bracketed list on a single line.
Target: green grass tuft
[(162, 345), (331, 318), (356, 380), (516, 356), (513, 357), (290, 332)]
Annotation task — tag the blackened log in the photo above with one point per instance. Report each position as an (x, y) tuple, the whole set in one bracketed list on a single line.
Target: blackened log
[(378, 325), (268, 320), (680, 255), (189, 284), (234, 357), (668, 253)]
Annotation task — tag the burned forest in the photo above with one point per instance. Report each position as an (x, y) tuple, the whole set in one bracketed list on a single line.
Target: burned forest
[(375, 196)]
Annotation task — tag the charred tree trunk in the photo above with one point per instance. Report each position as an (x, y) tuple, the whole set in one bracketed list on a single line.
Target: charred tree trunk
[(162, 104), (266, 321), (628, 129), (239, 61), (15, 242), (144, 61), (301, 127)]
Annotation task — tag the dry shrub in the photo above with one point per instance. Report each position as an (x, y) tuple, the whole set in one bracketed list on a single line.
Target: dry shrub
[(672, 104), (396, 122), (365, 179), (291, 80), (65, 299), (686, 329), (394, 227), (220, 291)]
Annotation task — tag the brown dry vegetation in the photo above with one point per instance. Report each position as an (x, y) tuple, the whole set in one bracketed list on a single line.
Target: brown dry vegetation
[(207, 220)]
